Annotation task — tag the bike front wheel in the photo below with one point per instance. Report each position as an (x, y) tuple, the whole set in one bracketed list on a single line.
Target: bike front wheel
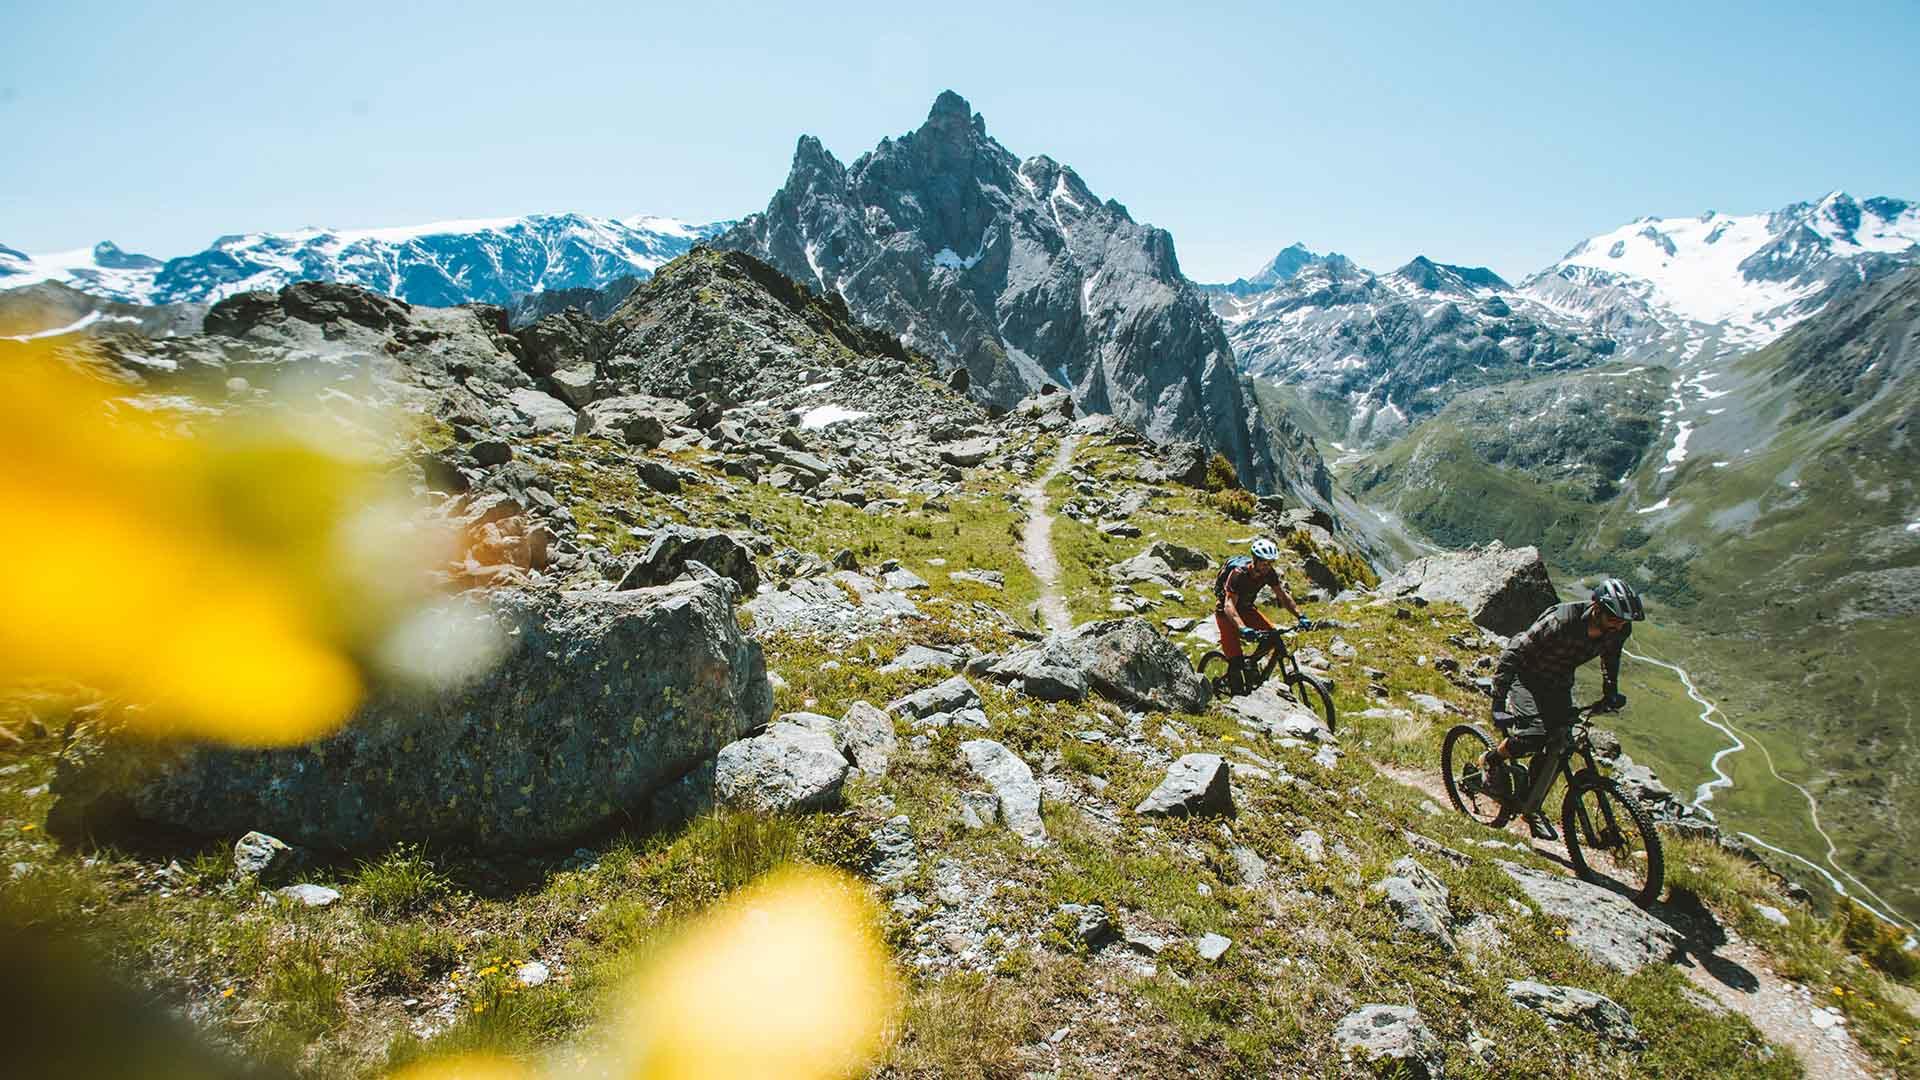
[(1313, 694), (1467, 787), (1218, 671), (1611, 840)]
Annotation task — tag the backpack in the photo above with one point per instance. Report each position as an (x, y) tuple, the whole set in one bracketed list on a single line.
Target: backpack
[(1238, 562)]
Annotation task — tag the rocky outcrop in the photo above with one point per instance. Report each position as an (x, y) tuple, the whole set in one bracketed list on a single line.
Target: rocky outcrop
[(1015, 271), (1608, 929), (1503, 589), (1125, 661), (601, 700)]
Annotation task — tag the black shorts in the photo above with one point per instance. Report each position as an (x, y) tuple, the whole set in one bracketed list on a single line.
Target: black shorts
[(1546, 711)]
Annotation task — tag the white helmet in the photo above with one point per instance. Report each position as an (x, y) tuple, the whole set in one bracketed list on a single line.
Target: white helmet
[(1264, 548)]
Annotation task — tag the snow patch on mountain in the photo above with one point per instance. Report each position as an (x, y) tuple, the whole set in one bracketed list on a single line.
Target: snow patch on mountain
[(1719, 284)]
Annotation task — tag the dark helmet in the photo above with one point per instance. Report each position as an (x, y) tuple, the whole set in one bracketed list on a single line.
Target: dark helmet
[(1618, 597)]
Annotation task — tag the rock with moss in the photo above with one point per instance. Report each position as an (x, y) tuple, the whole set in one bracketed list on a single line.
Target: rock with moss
[(600, 701), (1582, 1008), (1418, 901), (1391, 1039)]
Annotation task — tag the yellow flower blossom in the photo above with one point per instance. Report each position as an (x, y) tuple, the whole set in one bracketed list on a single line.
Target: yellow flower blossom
[(787, 979)]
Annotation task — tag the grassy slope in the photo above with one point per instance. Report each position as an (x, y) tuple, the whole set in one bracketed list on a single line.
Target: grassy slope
[(324, 992)]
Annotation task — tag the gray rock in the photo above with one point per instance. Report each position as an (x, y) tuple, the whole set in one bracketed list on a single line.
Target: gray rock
[(310, 895), (788, 768), (1391, 1037), (950, 696), (532, 973), (895, 855), (673, 547), (1180, 558), (600, 700), (1253, 868), (658, 476), (574, 385), (1126, 661), (1418, 900), (1016, 792), (903, 580), (867, 738), (920, 658), (1582, 1008), (1772, 914), (968, 452), (640, 421), (979, 809), (1197, 784), (1502, 589), (491, 452), (1602, 925), (1088, 925), (544, 412), (1270, 711), (1312, 846), (992, 579), (265, 857), (1212, 947)]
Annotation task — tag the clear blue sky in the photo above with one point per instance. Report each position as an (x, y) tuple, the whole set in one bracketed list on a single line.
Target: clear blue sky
[(1458, 131)]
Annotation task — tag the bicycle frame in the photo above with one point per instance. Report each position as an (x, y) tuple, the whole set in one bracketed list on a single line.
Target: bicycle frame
[(1260, 668), (1575, 742)]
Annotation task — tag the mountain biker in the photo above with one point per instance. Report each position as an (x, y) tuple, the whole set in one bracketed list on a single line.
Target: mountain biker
[(1236, 590), (1534, 678)]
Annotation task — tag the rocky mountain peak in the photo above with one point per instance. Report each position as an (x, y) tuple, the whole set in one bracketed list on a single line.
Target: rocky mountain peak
[(1017, 271), (108, 254), (1425, 274)]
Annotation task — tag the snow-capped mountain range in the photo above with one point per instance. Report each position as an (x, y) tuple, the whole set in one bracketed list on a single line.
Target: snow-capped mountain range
[(1674, 291), (438, 265), (1717, 284)]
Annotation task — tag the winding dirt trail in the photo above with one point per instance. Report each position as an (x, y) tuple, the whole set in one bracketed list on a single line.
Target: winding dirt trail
[(1036, 540)]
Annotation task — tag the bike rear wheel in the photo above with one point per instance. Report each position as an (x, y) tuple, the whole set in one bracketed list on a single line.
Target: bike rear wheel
[(1313, 694), (1460, 756), (1611, 840)]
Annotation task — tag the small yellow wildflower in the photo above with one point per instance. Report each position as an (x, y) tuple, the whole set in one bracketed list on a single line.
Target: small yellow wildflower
[(28, 827), (227, 993)]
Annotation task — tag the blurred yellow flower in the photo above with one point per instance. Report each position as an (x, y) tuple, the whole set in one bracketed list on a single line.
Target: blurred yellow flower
[(788, 979), (229, 579), (466, 1067)]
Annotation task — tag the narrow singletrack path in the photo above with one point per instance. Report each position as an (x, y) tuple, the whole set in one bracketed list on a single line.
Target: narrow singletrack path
[(1036, 540)]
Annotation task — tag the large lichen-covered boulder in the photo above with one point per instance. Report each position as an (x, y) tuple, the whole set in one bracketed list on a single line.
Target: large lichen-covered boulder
[(602, 700), (1126, 661), (1503, 589)]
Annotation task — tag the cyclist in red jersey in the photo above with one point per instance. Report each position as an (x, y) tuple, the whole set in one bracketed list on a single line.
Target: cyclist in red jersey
[(1236, 590)]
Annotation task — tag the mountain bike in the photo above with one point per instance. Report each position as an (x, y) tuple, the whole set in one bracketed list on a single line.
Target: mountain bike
[(1610, 837), (1270, 654)]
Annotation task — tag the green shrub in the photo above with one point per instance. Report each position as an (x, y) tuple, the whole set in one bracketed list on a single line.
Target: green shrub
[(1220, 474), (1233, 502), (1876, 942)]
